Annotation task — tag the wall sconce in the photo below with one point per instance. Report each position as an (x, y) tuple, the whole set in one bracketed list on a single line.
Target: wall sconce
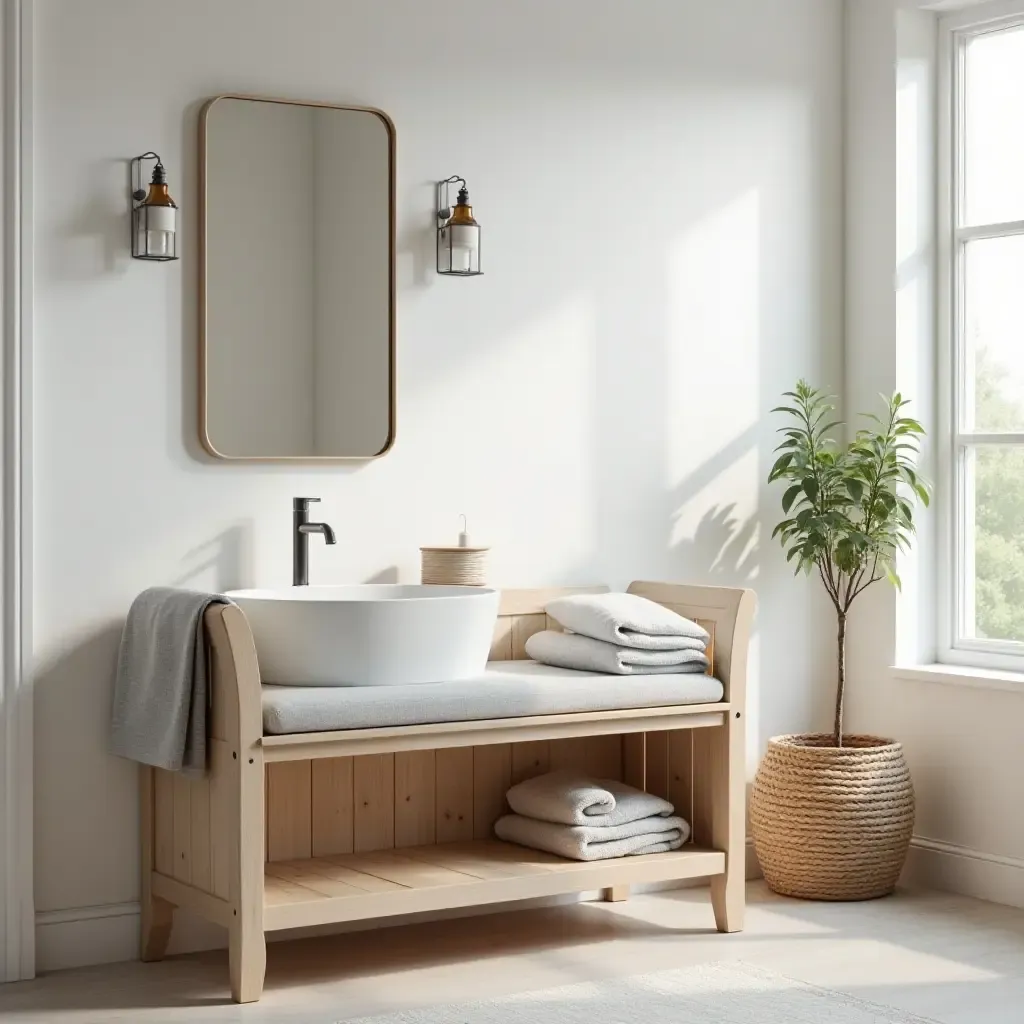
[(458, 234), (154, 214)]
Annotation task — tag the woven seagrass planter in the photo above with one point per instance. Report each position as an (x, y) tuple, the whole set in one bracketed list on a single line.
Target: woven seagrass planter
[(832, 823)]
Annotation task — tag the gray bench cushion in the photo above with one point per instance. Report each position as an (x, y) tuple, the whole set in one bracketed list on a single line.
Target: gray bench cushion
[(508, 689)]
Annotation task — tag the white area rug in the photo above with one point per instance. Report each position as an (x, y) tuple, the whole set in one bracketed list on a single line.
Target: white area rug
[(710, 994)]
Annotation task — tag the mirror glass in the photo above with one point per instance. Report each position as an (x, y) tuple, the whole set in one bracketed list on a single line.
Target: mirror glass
[(297, 302)]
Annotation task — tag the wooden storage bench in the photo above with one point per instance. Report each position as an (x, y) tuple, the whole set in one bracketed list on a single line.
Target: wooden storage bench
[(294, 830)]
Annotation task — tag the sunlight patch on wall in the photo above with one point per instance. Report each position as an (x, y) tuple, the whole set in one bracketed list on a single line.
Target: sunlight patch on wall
[(714, 360), (512, 425)]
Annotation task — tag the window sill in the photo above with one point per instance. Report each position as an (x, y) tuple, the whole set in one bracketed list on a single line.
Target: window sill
[(963, 675)]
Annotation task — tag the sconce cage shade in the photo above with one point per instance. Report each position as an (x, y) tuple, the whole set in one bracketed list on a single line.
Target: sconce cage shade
[(458, 234), (458, 250), (155, 233), (154, 213)]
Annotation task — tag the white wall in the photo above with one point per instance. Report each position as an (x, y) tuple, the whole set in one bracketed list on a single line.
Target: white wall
[(659, 185), (963, 743)]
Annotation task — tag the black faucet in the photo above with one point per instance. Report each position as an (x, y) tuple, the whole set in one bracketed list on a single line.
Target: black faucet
[(301, 529)]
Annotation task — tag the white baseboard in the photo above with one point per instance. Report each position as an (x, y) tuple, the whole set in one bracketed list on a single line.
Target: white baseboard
[(85, 936), (109, 934), (934, 864)]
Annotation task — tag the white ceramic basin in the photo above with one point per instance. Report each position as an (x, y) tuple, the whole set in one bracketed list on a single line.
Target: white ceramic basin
[(372, 635)]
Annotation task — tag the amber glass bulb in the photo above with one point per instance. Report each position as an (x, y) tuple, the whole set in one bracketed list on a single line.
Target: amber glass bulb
[(158, 194), (463, 212)]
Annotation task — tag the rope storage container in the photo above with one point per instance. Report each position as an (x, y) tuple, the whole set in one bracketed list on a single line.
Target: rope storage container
[(832, 823), (462, 567)]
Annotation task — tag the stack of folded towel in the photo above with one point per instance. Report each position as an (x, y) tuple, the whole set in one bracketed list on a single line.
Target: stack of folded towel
[(581, 818), (620, 634)]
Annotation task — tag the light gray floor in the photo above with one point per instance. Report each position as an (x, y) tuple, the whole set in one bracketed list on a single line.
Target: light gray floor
[(955, 960)]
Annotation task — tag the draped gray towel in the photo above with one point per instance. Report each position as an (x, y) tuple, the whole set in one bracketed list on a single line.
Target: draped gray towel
[(160, 691)]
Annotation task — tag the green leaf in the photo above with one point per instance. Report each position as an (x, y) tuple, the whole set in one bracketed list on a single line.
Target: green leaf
[(890, 575), (790, 496)]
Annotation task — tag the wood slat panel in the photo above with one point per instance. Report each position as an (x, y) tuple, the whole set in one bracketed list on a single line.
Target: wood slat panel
[(634, 754), (523, 627), (332, 809), (501, 645), (305, 874), (533, 602), (454, 794), (530, 760), (657, 764), (182, 790), (407, 871), (604, 757), (289, 811), (492, 776), (220, 821), (481, 861), (278, 891), (701, 814), (570, 754), (680, 772), (202, 865), (331, 867), (373, 788), (163, 838), (415, 809)]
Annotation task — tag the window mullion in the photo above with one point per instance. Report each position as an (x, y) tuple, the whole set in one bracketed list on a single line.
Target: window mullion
[(973, 438), (1007, 229)]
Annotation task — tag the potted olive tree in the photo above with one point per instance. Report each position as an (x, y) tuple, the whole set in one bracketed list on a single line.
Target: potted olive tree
[(832, 814)]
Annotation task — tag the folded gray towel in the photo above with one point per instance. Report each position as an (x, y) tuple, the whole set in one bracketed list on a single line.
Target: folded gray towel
[(628, 620), (588, 842), (572, 650), (160, 691), (569, 798)]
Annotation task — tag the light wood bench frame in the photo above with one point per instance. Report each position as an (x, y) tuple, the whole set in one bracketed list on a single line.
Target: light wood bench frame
[(320, 828)]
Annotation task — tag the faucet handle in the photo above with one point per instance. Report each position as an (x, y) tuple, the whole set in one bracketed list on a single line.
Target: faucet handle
[(302, 504)]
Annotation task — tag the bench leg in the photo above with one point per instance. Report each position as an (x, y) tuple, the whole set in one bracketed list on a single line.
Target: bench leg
[(247, 961), (728, 822), (728, 900), (616, 894), (157, 917)]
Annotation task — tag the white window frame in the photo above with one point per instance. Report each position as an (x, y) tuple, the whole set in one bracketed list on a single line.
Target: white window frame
[(955, 568)]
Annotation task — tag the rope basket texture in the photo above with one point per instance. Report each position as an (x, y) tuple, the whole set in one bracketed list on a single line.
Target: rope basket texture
[(832, 823), (461, 567)]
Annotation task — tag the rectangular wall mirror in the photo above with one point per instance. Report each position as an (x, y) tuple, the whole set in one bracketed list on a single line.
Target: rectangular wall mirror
[(297, 286)]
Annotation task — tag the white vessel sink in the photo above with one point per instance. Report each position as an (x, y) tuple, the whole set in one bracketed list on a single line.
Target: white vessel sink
[(372, 635)]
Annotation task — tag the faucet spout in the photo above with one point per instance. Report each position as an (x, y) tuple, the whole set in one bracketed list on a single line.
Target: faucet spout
[(328, 533)]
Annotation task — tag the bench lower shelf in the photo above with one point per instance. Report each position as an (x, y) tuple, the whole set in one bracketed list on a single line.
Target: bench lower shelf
[(353, 887)]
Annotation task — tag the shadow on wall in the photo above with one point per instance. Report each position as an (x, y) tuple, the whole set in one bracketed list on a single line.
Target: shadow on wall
[(723, 550), (222, 563)]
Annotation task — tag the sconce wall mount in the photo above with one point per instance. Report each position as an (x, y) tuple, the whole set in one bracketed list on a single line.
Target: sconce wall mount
[(458, 232), (154, 214)]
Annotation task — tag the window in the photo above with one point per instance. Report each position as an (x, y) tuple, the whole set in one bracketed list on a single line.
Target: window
[(982, 485)]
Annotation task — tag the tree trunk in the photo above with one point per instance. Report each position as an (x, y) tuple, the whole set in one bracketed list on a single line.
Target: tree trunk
[(837, 730)]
